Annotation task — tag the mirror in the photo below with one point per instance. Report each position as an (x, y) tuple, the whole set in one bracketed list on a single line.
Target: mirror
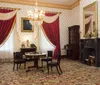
[(90, 20)]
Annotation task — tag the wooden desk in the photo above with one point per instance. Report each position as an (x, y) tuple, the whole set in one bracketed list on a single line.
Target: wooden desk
[(23, 50)]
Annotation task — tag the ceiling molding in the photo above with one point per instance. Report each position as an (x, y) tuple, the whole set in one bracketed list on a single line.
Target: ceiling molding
[(75, 4), (53, 5), (30, 2)]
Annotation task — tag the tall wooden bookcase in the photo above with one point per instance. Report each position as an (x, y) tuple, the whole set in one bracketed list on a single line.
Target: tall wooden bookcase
[(73, 46)]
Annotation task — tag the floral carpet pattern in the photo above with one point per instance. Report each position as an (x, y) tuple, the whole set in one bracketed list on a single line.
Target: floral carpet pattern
[(74, 73)]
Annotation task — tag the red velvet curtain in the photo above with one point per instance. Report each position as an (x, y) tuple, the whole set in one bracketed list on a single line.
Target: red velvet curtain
[(5, 26), (52, 32)]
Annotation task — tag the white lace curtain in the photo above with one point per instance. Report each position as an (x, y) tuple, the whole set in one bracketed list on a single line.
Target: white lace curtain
[(6, 50)]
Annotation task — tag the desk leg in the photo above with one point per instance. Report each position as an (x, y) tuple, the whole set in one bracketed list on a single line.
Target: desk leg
[(36, 63), (34, 66)]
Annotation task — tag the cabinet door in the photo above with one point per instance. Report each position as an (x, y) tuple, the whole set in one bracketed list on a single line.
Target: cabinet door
[(73, 35)]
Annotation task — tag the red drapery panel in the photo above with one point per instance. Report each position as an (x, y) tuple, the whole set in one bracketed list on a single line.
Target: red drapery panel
[(5, 26), (52, 32)]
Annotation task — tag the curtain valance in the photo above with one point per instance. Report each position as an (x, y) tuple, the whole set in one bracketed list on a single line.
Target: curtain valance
[(7, 19), (50, 19), (7, 16)]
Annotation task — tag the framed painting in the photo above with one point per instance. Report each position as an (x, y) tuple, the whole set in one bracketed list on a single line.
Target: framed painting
[(26, 25)]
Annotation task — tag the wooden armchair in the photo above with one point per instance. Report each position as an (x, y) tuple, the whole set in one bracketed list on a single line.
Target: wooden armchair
[(18, 60)]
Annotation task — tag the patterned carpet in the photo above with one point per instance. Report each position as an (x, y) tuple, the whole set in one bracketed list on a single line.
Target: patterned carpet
[(74, 73)]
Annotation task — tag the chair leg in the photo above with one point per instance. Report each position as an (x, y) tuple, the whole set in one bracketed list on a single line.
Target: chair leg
[(48, 68), (51, 68), (24, 65), (47, 64), (13, 66), (60, 69), (57, 70), (17, 66), (41, 63)]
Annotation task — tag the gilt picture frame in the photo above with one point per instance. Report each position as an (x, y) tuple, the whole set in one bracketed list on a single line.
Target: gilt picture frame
[(27, 25), (90, 22)]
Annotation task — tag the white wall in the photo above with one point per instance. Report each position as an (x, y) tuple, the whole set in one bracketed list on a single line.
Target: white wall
[(75, 18)]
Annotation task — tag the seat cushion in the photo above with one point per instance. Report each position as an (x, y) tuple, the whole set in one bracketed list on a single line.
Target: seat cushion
[(52, 64), (46, 59), (19, 61)]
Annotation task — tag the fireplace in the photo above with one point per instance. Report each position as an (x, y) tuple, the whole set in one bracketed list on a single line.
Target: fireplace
[(89, 55), (90, 51)]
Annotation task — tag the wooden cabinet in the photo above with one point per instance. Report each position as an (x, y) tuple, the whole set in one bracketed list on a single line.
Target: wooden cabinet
[(90, 47), (73, 46)]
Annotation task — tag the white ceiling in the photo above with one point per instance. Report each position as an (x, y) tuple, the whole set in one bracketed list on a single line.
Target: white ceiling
[(61, 2)]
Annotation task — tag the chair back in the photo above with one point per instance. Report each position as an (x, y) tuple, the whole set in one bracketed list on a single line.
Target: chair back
[(49, 53), (17, 55)]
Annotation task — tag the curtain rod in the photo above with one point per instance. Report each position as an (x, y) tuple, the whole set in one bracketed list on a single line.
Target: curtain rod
[(53, 12), (10, 8)]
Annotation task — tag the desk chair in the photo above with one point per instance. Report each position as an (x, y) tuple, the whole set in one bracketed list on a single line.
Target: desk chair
[(55, 64), (18, 59)]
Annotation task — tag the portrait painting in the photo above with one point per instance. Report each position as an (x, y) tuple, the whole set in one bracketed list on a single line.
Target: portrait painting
[(26, 25)]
